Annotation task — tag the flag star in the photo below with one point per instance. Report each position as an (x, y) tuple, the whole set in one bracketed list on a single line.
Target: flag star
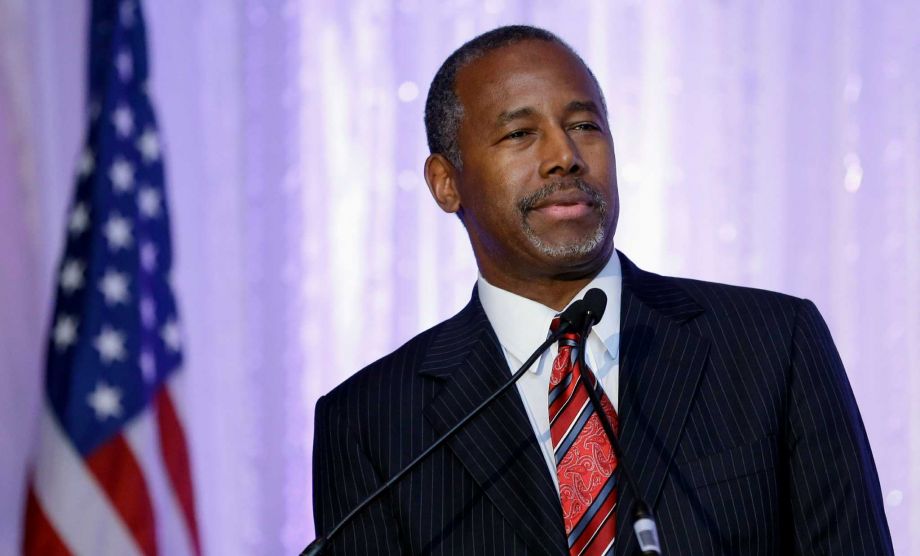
[(105, 401), (114, 286), (149, 145), (148, 366), (65, 332), (121, 172), (87, 163), (171, 336), (126, 13), (123, 120), (110, 344), (72, 276), (148, 201), (148, 312), (124, 63), (118, 232), (79, 219), (149, 257)]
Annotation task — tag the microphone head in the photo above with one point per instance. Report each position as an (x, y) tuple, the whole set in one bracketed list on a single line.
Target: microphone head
[(574, 314), (595, 304)]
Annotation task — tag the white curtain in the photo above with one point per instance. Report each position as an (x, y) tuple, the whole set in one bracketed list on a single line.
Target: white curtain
[(769, 144)]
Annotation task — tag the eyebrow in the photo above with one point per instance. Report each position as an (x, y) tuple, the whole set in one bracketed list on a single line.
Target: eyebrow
[(582, 106), (509, 116)]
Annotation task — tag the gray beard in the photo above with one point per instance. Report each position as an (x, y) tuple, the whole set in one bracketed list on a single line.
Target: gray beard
[(576, 249), (580, 248)]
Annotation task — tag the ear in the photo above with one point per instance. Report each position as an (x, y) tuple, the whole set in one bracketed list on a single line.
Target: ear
[(441, 177)]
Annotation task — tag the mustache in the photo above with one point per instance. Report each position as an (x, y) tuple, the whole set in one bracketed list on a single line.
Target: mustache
[(530, 201)]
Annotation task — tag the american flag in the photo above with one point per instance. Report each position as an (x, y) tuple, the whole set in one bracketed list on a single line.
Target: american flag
[(111, 472)]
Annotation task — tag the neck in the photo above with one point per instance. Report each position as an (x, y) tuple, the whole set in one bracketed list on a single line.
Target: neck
[(554, 290)]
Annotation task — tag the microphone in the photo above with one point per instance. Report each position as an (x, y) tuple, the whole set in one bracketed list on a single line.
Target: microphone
[(595, 305), (643, 521), (572, 318)]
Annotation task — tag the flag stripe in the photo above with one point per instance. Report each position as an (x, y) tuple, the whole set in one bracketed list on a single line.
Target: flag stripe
[(118, 473), (40, 537), (71, 500), (173, 537), (175, 456)]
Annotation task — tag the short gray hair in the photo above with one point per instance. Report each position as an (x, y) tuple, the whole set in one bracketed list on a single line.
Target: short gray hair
[(443, 110)]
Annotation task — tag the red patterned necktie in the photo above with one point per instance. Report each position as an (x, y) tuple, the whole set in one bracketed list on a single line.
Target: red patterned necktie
[(585, 462)]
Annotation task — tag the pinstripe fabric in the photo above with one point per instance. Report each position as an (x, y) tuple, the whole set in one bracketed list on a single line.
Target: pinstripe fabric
[(487, 492), (736, 415)]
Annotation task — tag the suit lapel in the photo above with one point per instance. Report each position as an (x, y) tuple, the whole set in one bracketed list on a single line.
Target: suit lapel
[(660, 368), (498, 447)]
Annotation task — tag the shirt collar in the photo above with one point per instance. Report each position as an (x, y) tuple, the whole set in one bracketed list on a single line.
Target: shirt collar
[(521, 324)]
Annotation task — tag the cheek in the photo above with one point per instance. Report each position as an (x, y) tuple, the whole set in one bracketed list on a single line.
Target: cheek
[(496, 186), (514, 179), (599, 156)]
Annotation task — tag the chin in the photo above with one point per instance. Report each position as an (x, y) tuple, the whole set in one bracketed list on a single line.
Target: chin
[(576, 250)]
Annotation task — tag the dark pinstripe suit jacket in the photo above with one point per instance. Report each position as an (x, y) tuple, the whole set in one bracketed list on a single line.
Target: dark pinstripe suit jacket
[(736, 416)]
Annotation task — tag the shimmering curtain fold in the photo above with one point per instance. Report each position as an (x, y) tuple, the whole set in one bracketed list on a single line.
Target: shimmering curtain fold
[(769, 144)]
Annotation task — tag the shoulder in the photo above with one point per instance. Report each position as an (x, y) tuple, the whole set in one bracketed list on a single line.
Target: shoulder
[(395, 376), (749, 325), (720, 311), (745, 314), (713, 298), (725, 299)]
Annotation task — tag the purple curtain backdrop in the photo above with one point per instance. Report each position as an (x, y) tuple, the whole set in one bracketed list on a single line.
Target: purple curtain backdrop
[(769, 144)]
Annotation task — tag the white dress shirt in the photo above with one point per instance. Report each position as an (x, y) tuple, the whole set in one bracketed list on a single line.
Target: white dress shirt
[(522, 324)]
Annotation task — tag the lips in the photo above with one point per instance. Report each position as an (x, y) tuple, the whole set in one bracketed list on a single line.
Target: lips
[(567, 204), (565, 212)]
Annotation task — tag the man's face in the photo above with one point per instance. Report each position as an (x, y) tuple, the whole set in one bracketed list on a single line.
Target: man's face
[(537, 189)]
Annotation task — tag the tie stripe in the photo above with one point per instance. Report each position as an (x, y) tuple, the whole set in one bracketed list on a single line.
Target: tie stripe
[(557, 391), (604, 496), (585, 462), (598, 542), (567, 400), (571, 435)]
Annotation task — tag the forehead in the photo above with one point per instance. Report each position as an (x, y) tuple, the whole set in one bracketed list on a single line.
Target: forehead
[(534, 73)]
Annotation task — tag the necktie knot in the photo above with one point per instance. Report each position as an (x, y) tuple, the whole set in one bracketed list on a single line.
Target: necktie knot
[(554, 326), (569, 338)]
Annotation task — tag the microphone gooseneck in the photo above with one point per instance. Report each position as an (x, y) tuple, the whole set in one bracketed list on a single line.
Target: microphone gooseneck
[(644, 523), (571, 319)]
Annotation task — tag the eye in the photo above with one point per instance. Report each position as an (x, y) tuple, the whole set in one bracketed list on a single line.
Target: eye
[(586, 126), (516, 134)]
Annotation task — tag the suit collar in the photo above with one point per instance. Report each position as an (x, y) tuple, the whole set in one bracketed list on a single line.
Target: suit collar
[(458, 336), (498, 448), (659, 293), (662, 361)]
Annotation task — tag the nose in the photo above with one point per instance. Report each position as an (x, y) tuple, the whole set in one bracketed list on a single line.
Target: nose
[(561, 156)]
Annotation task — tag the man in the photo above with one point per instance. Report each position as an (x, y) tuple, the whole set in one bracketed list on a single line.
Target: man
[(734, 412)]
